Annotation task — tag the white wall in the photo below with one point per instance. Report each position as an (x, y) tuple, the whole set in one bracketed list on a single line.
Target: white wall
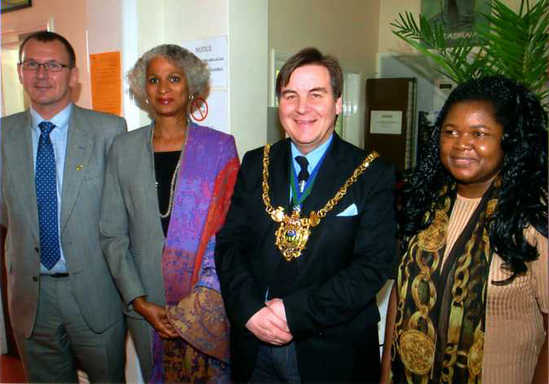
[(248, 67), (191, 19), (104, 25)]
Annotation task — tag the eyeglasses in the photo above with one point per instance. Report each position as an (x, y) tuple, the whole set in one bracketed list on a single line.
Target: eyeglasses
[(50, 66)]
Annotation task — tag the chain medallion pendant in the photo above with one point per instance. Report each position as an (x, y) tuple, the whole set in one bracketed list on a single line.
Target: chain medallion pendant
[(294, 231)]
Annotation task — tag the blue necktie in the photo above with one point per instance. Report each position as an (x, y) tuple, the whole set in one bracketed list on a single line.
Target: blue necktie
[(46, 197)]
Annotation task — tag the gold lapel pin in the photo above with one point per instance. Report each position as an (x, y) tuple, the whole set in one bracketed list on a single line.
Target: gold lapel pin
[(79, 167)]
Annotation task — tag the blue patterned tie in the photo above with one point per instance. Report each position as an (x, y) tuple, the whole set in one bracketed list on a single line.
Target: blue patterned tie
[(46, 197)]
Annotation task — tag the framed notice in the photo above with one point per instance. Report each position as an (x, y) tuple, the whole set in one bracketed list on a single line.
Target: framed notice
[(386, 122), (390, 117)]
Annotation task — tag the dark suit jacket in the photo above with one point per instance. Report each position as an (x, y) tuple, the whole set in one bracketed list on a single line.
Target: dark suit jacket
[(330, 296), (89, 138)]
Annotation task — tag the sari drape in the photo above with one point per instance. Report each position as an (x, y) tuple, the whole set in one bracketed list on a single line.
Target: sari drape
[(194, 304)]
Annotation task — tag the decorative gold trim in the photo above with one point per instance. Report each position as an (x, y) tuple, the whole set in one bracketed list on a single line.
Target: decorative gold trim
[(417, 351), (293, 233)]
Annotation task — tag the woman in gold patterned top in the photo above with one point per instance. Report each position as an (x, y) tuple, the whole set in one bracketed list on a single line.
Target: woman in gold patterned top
[(471, 297)]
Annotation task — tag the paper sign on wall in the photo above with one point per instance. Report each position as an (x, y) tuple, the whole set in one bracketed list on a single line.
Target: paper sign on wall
[(214, 52), (386, 122), (106, 82)]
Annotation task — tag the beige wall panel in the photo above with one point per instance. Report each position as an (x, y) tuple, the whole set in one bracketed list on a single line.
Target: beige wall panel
[(347, 29)]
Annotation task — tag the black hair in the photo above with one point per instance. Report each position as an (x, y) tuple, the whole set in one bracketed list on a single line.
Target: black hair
[(522, 199)]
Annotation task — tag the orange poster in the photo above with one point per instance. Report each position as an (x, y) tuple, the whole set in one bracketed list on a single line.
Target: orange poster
[(106, 82)]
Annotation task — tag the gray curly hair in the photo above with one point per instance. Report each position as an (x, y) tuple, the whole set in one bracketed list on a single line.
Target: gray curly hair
[(196, 71)]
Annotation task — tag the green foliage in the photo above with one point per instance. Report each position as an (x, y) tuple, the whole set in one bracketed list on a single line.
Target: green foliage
[(514, 44)]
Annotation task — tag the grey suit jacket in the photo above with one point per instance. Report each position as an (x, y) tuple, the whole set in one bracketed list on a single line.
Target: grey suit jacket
[(89, 138), (130, 211)]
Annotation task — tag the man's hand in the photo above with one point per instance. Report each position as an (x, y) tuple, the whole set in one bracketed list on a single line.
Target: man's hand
[(268, 327), (156, 316), (277, 306)]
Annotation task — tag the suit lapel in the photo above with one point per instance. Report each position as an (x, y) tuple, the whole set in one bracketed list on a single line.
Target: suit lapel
[(79, 149), (279, 176), (150, 191), (22, 166)]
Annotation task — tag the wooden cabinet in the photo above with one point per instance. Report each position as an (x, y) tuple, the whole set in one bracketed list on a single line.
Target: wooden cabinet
[(393, 97)]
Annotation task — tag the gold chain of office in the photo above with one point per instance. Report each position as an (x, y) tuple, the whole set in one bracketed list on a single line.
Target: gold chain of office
[(294, 231)]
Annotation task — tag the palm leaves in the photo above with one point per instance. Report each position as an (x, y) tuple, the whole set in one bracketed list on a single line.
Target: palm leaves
[(515, 44)]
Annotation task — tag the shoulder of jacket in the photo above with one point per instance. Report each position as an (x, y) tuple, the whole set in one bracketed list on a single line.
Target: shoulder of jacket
[(132, 137), (14, 119), (95, 116)]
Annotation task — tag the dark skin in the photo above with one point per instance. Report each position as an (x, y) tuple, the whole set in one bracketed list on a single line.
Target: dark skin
[(470, 146), (470, 149), (167, 93), (155, 315)]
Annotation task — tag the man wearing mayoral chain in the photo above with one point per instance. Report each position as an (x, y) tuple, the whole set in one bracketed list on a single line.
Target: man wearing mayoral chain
[(308, 242)]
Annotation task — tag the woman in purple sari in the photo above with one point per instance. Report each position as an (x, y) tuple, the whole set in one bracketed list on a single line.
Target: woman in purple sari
[(167, 190)]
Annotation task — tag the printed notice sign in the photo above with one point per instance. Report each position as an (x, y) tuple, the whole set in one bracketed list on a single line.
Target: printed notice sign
[(106, 82), (214, 52), (386, 122), (217, 111)]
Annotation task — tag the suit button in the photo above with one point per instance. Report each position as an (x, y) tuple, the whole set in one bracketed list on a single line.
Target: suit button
[(36, 249), (35, 278)]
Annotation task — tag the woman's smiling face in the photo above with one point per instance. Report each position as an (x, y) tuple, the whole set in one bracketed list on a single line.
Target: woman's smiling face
[(470, 146), (166, 87)]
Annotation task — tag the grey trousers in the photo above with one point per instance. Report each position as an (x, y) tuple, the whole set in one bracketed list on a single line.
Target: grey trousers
[(61, 341)]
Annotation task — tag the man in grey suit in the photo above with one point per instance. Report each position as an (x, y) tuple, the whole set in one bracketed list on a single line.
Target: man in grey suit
[(64, 306)]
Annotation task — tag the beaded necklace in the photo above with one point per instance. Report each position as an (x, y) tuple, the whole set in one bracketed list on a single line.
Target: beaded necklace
[(173, 181)]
